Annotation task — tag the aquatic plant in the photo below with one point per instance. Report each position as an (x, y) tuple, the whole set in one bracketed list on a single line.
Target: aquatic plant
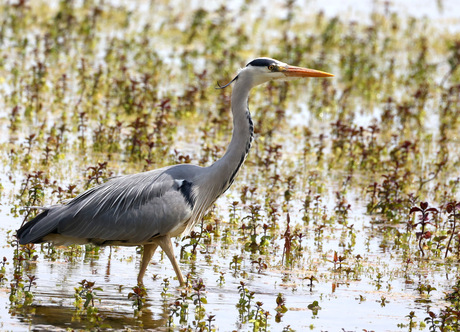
[(424, 221), (100, 89), (138, 298)]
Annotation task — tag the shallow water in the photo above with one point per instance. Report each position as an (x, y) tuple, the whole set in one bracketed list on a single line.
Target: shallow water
[(339, 297), (377, 295)]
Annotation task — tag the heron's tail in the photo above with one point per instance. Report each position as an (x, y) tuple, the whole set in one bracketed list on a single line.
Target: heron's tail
[(25, 234)]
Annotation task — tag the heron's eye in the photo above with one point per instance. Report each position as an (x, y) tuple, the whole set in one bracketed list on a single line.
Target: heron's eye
[(271, 67)]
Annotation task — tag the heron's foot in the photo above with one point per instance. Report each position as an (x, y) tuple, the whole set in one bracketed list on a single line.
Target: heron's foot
[(184, 283), (182, 288)]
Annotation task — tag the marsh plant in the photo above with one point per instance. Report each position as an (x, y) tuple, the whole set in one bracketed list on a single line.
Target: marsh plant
[(138, 297), (332, 198)]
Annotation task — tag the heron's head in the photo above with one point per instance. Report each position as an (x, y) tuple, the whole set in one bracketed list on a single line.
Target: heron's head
[(262, 70)]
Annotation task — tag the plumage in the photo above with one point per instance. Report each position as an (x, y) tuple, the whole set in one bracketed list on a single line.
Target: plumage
[(151, 207), (106, 212)]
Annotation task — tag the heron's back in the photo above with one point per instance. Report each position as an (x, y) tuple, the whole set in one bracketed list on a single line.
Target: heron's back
[(127, 210)]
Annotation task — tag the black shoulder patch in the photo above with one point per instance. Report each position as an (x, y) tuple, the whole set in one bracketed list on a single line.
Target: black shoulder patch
[(186, 191), (261, 62)]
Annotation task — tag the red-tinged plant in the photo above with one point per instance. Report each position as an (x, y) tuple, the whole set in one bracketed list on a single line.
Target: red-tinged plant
[(138, 297), (423, 221), (453, 209)]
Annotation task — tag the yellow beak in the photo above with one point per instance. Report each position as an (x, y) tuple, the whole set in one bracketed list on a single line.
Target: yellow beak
[(293, 71)]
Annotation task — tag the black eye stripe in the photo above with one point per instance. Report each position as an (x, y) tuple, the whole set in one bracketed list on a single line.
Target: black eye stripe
[(261, 63)]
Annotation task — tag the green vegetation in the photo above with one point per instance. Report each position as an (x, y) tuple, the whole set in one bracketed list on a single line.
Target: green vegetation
[(348, 198)]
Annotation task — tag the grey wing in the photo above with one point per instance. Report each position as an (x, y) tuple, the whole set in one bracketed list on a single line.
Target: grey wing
[(130, 208)]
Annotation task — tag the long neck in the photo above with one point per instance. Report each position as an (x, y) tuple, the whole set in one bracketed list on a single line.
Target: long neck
[(226, 168), (218, 177)]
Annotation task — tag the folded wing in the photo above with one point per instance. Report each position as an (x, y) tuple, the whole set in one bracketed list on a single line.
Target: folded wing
[(130, 209)]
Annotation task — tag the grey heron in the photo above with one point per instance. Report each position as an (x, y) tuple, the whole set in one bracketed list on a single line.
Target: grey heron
[(150, 208)]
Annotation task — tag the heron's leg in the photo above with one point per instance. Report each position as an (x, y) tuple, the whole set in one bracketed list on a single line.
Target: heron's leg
[(149, 250), (166, 245)]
